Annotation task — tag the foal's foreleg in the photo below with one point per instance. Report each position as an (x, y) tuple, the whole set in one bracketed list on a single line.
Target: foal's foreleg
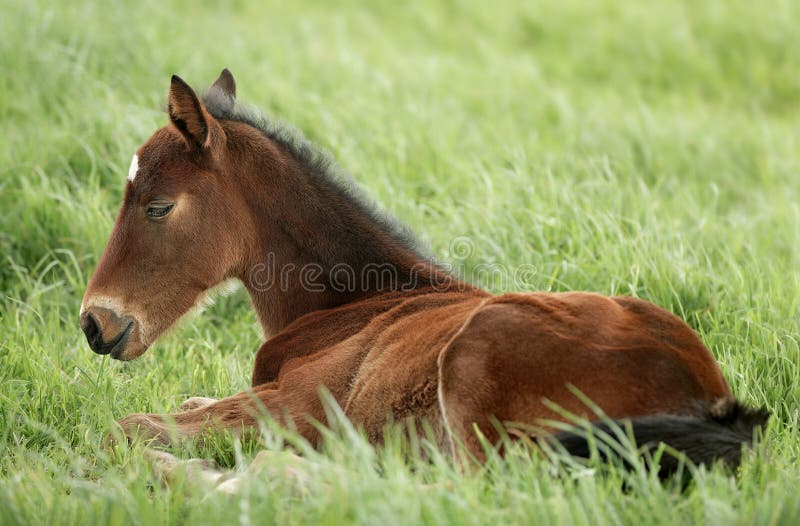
[(233, 414), (236, 414), (168, 429)]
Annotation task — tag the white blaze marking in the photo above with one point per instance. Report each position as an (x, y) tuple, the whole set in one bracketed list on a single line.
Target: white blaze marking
[(134, 168)]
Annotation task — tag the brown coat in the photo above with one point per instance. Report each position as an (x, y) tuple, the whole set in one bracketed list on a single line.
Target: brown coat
[(214, 196)]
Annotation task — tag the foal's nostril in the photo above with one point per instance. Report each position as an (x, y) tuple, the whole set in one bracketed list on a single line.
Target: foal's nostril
[(92, 331), (89, 326)]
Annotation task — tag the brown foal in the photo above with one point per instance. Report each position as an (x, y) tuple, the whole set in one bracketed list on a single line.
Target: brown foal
[(348, 303)]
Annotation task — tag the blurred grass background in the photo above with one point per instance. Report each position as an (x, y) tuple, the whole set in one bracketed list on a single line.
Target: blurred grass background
[(622, 147)]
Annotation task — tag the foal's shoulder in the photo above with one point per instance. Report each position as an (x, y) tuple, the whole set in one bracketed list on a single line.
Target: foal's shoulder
[(355, 316)]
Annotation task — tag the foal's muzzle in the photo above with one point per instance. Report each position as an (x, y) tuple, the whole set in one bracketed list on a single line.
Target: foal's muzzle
[(98, 322)]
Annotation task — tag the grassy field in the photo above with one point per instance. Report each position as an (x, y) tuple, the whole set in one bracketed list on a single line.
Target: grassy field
[(620, 147)]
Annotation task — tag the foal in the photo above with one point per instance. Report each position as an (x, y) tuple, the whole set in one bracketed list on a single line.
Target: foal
[(349, 303)]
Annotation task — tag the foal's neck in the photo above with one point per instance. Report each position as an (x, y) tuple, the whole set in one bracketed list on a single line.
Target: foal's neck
[(319, 244)]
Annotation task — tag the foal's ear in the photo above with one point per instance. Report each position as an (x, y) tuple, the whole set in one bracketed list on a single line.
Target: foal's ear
[(189, 116), (222, 94), (225, 83)]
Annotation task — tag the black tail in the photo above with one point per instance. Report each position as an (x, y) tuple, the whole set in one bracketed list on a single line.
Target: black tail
[(715, 432)]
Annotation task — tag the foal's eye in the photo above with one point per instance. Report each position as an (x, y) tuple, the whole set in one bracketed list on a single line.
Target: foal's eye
[(158, 211)]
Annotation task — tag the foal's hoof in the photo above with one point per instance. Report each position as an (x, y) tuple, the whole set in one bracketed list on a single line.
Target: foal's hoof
[(196, 402), (194, 471), (164, 461)]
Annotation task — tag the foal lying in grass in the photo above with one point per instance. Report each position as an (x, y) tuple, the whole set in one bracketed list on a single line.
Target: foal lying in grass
[(349, 303)]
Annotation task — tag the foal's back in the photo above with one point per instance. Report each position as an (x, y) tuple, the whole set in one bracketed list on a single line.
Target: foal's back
[(458, 359)]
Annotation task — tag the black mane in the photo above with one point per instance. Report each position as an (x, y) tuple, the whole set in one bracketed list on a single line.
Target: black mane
[(321, 167)]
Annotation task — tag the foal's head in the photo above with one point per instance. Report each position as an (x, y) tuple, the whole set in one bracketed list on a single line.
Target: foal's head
[(181, 230)]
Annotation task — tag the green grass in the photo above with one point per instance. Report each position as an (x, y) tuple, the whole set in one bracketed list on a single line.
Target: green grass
[(627, 148)]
